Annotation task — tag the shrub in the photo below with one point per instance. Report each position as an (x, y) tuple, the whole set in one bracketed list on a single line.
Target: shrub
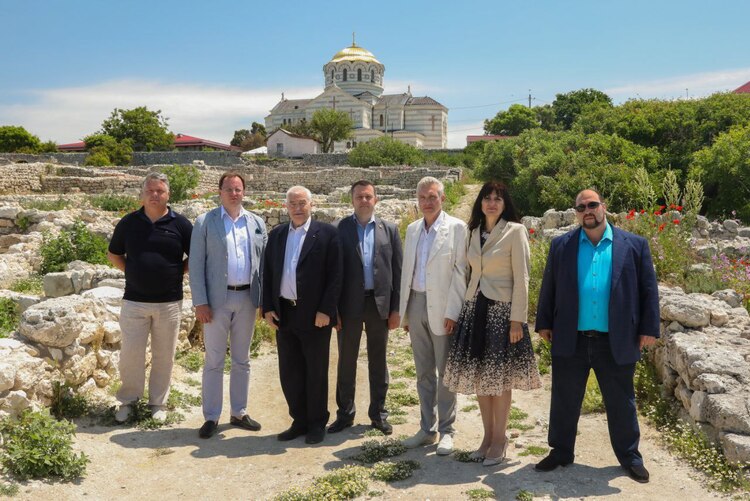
[(534, 450), (592, 399), (191, 360), (182, 180), (8, 316), (17, 139), (75, 244), (47, 205), (113, 202), (393, 471), (384, 151), (539, 252), (373, 451), (66, 404), (38, 446), (97, 158), (453, 194), (348, 482), (262, 333), (480, 494)]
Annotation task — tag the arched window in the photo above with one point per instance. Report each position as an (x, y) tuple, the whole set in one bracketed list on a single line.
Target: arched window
[(359, 74), (381, 120), (372, 75), (345, 75), (348, 145), (332, 76)]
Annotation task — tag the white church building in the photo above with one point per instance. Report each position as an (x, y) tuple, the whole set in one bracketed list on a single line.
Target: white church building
[(354, 85)]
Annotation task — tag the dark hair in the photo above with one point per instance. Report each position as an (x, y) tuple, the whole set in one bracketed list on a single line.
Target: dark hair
[(231, 173), (509, 210), (361, 182)]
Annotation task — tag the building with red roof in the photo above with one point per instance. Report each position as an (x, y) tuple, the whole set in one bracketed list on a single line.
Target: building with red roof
[(182, 142), (743, 89), (486, 137)]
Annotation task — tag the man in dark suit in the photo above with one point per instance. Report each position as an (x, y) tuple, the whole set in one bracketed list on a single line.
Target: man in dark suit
[(599, 307), (371, 249), (301, 287)]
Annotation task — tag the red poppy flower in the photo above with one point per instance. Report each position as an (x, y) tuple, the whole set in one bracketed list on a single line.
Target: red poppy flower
[(676, 221), (662, 207), (661, 226), (643, 211), (531, 231), (657, 213), (679, 207)]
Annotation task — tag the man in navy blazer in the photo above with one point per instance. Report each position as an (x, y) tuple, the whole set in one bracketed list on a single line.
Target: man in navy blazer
[(599, 307), (301, 287)]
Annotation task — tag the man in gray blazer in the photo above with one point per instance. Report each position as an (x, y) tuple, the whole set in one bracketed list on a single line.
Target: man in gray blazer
[(225, 269), (370, 296)]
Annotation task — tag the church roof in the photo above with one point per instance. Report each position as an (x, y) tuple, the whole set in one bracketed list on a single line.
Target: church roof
[(288, 105), (393, 99), (354, 53), (422, 101)]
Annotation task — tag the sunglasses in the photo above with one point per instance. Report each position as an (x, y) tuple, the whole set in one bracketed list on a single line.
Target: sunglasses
[(590, 205)]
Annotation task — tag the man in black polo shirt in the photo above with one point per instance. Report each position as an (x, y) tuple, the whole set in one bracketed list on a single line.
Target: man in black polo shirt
[(149, 245)]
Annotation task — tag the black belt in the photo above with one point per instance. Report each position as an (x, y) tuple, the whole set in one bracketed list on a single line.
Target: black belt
[(369, 292), (593, 333), (288, 302), (238, 287)]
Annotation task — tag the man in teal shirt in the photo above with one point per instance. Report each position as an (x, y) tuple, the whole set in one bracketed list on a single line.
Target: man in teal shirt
[(598, 306)]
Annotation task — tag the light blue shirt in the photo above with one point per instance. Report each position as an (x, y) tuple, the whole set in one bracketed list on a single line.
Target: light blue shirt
[(367, 249), (424, 244), (594, 282), (294, 242), (238, 248)]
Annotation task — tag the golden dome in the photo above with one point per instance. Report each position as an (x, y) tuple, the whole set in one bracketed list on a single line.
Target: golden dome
[(354, 53)]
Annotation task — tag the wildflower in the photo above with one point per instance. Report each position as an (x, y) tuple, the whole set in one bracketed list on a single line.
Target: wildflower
[(661, 226), (662, 207), (672, 206), (676, 221), (657, 212), (194, 196), (643, 211), (531, 231), (679, 207)]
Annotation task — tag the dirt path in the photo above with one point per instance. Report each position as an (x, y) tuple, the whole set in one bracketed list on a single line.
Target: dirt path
[(172, 463)]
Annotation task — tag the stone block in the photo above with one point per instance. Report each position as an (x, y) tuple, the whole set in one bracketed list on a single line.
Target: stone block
[(58, 284), (736, 447)]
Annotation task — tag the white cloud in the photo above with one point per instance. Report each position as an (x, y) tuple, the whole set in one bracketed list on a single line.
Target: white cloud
[(457, 135), (209, 111), (697, 85)]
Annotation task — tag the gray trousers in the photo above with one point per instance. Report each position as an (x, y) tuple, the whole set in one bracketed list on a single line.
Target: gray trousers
[(235, 320), (437, 402), (137, 321), (348, 341)]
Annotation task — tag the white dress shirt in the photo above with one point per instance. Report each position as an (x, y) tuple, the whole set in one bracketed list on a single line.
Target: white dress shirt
[(238, 255), (294, 242), (426, 238)]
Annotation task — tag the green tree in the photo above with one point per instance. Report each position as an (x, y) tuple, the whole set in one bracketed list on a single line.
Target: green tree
[(239, 136), (384, 151), (146, 129), (258, 128), (512, 121), (255, 140), (330, 126), (16, 139), (569, 105), (106, 150), (182, 180), (724, 168), (301, 128)]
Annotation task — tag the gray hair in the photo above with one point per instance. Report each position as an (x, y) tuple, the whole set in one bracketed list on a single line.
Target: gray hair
[(155, 176), (431, 181), (298, 188)]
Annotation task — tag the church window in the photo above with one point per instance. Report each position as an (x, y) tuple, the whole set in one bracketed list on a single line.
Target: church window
[(354, 144), (348, 145), (372, 75), (332, 78), (359, 74), (345, 74), (279, 148), (381, 120)]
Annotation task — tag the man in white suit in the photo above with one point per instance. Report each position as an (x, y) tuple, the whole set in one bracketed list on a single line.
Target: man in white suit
[(433, 284), (225, 269)]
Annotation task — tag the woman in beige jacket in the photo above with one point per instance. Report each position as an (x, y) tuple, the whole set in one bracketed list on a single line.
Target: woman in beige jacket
[(491, 352)]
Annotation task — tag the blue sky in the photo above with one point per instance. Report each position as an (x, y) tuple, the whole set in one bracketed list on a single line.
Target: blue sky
[(214, 67)]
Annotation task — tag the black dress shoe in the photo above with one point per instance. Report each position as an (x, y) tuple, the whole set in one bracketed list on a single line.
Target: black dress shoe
[(383, 426), (208, 429), (315, 436), (291, 433), (339, 425), (638, 473), (550, 463), (245, 422)]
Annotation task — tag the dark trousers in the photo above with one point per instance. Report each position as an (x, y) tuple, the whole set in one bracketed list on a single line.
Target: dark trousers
[(348, 341), (303, 370), (569, 376)]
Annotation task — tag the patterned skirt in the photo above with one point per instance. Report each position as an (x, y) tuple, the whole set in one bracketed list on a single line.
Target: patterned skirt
[(482, 360)]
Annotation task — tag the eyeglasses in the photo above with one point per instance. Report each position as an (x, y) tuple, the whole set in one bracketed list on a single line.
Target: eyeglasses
[(590, 205)]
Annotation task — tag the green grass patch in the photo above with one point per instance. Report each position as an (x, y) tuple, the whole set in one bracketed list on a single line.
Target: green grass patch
[(543, 351), (462, 456), (401, 398), (191, 382), (47, 204), (480, 494), (180, 400), (524, 495), (393, 471), (534, 450), (398, 385), (373, 451), (30, 285), (408, 372), (469, 408), (114, 202), (348, 482), (74, 244), (263, 333), (592, 399), (373, 433), (191, 360), (9, 316), (8, 489), (66, 404), (516, 419), (397, 419)]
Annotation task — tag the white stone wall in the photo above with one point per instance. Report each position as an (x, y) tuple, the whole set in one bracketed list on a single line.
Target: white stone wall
[(420, 119), (292, 146)]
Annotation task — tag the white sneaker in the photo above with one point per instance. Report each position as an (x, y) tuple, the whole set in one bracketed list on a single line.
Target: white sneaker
[(158, 413), (123, 413), (445, 446), (419, 439)]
